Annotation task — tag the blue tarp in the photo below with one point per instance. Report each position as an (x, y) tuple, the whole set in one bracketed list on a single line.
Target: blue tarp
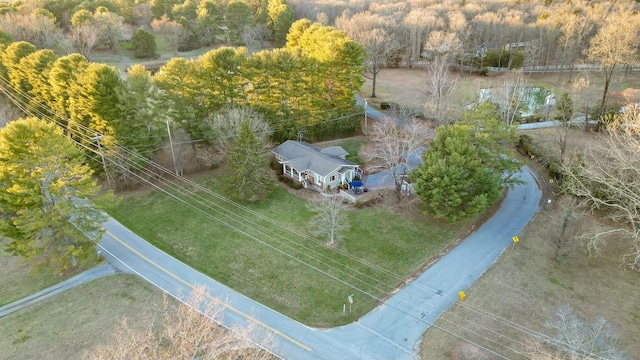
[(356, 183)]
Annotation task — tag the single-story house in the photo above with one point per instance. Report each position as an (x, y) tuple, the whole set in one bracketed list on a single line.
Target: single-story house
[(312, 165)]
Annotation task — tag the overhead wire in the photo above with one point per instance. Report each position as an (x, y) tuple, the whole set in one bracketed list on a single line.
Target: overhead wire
[(200, 188), (358, 279), (369, 294)]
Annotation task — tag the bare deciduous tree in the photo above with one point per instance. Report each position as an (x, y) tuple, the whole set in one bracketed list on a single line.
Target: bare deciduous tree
[(37, 29), (330, 220), (188, 330), (564, 114), (84, 38), (247, 37), (261, 33), (573, 338), (458, 24), (45, 34), (322, 18), (574, 28), (510, 96), (442, 47), (373, 32), (172, 31), (394, 143), (615, 45), (608, 178), (417, 25), (582, 100), (379, 45), (257, 33), (142, 14), (8, 114), (224, 127), (562, 243), (110, 28)]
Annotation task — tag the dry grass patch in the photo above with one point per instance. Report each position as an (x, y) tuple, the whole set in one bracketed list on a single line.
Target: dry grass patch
[(18, 279), (403, 86), (67, 325), (527, 287)]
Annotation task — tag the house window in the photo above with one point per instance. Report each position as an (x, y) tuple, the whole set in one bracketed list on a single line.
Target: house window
[(334, 178)]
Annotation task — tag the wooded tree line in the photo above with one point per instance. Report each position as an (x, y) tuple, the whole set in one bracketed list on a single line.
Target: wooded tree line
[(489, 32), (297, 88), (544, 32), (433, 33), (313, 79), (77, 25)]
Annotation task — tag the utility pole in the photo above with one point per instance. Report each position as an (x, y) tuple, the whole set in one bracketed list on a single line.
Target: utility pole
[(365, 116), (173, 155), (104, 163)]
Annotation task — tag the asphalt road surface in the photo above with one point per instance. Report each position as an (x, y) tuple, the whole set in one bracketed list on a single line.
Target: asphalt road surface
[(391, 331), (82, 278)]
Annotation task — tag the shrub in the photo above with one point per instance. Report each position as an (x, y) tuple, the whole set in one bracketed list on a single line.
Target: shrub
[(386, 105), (526, 145), (550, 161), (534, 118), (276, 166), (290, 182), (144, 44), (500, 58)]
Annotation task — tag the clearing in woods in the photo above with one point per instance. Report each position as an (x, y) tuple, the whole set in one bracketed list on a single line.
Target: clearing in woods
[(404, 86)]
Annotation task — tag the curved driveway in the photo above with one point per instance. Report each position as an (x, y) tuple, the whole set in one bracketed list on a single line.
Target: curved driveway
[(391, 331)]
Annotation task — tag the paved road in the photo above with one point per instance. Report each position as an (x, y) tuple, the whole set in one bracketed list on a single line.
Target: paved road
[(577, 121), (92, 274), (372, 112), (391, 331)]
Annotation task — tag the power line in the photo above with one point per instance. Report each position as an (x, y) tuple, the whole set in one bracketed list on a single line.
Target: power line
[(203, 202), (355, 287)]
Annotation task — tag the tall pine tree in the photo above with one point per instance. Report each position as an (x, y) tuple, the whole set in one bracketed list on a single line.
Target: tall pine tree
[(251, 178), (467, 166), (45, 188), (453, 182)]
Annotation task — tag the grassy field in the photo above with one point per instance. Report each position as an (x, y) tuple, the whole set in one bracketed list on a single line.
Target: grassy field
[(403, 86), (18, 279), (125, 56), (526, 286), (70, 324), (231, 246)]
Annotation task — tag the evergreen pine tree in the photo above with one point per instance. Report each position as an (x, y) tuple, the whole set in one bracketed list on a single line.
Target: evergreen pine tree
[(144, 44), (251, 178), (45, 188)]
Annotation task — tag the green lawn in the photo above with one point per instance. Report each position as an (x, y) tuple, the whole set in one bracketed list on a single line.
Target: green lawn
[(279, 264), (19, 280)]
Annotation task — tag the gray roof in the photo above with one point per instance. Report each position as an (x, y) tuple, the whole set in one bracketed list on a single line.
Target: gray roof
[(304, 156), (335, 151)]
